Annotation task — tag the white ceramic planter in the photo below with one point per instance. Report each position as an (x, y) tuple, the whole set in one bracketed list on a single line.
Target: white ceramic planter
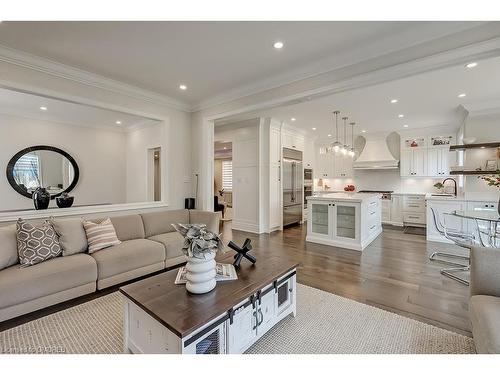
[(201, 274)]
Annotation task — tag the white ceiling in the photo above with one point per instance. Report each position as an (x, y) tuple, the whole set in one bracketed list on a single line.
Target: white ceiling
[(28, 105), (215, 58), (425, 100)]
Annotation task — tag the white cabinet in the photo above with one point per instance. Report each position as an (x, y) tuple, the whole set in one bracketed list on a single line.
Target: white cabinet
[(438, 162), (340, 223), (290, 139), (309, 154), (325, 167), (242, 330), (414, 162), (386, 210), (343, 166), (396, 210), (414, 210), (275, 179)]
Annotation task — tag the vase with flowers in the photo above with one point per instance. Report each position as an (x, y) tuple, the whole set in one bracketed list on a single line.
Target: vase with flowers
[(494, 181), (200, 247)]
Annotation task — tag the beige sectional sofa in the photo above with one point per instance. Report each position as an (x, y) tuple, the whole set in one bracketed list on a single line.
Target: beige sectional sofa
[(149, 244), (484, 305)]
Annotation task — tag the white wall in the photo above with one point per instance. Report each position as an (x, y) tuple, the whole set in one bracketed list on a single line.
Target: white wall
[(100, 155), (244, 136), (177, 180)]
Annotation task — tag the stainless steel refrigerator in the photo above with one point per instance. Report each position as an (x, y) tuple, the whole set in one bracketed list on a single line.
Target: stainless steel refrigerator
[(293, 188)]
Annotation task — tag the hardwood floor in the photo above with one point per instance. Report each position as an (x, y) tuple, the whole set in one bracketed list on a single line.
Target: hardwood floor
[(393, 273)]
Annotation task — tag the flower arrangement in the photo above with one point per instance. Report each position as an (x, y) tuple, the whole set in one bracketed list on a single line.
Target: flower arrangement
[(198, 240), (492, 180)]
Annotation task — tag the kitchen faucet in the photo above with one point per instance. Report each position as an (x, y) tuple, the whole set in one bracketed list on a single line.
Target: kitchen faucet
[(454, 182)]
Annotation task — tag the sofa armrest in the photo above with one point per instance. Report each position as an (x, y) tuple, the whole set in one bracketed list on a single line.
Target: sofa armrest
[(485, 271), (210, 219)]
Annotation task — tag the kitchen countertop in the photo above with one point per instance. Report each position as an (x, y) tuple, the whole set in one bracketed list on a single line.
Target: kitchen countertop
[(344, 197), (467, 197)]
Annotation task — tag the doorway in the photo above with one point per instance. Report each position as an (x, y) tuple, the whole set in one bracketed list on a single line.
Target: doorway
[(223, 179), (154, 174)]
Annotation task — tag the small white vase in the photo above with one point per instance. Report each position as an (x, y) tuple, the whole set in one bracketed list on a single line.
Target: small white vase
[(200, 274)]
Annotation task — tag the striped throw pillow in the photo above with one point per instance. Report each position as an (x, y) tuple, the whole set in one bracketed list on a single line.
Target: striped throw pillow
[(100, 235)]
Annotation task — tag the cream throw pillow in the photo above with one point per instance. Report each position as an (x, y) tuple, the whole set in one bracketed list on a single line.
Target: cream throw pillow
[(100, 235)]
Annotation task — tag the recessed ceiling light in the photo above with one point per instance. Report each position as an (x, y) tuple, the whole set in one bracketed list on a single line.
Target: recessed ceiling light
[(225, 148), (471, 65), (293, 119), (363, 131), (314, 128), (329, 135), (118, 122), (278, 45), (405, 126), (183, 87), (483, 147), (401, 116), (462, 95), (43, 108), (394, 101)]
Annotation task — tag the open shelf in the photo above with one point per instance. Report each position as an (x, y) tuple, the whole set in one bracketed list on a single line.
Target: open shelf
[(475, 145), (478, 173)]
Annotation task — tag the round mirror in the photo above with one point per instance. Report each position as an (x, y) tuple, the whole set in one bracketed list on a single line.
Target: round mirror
[(42, 166)]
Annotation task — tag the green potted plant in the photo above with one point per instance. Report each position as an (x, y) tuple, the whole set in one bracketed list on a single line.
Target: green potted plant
[(439, 186)]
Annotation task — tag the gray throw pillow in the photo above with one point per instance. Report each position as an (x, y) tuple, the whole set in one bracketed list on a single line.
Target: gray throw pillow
[(36, 244), (72, 237), (8, 247)]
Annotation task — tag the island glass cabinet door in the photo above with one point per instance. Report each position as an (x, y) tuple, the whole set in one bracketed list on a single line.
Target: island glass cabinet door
[(346, 221), (320, 222)]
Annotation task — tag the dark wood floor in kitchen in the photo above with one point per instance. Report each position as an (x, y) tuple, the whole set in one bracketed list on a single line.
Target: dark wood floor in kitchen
[(393, 273)]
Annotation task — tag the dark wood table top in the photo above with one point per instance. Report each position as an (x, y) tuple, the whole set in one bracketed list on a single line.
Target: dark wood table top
[(182, 312)]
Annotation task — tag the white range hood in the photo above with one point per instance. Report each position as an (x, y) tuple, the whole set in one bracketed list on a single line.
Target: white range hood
[(376, 154)]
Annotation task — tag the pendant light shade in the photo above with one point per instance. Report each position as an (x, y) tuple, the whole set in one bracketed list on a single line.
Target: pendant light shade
[(352, 152), (345, 147), (335, 146)]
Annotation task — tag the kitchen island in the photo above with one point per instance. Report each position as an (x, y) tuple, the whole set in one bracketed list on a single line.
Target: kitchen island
[(348, 220)]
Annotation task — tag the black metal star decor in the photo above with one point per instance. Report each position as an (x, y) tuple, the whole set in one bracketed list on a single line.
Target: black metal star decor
[(242, 252)]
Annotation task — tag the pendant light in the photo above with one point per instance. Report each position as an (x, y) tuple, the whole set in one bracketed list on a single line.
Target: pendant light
[(351, 151), (335, 146), (345, 147)]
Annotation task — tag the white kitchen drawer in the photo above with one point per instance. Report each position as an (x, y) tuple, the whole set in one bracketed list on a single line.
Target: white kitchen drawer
[(372, 228), (414, 206), (413, 198), (414, 217)]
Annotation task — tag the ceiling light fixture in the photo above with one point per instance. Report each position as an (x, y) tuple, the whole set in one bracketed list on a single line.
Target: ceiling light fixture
[(43, 108), (118, 122), (471, 65), (314, 128), (329, 135), (351, 150), (293, 119), (335, 146), (183, 87), (401, 116), (278, 45), (393, 101), (405, 126), (463, 95), (345, 146), (363, 131)]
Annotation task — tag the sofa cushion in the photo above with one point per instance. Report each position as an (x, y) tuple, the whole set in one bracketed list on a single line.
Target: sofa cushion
[(127, 256), (173, 243), (100, 234), (161, 222), (129, 227), (36, 243), (18, 284), (485, 318), (8, 247), (71, 234), (210, 219)]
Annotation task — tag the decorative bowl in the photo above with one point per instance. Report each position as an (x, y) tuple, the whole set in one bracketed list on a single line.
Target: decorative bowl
[(64, 202)]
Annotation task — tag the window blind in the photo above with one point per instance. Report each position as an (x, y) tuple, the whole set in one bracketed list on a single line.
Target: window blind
[(227, 175)]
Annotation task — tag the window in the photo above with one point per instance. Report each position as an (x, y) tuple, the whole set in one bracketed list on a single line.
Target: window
[(227, 175), (27, 171)]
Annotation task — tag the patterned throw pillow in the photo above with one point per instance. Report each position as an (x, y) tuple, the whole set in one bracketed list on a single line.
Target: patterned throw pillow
[(36, 244), (100, 235)]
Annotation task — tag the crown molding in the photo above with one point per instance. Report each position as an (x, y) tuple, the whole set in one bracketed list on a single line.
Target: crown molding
[(56, 69)]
